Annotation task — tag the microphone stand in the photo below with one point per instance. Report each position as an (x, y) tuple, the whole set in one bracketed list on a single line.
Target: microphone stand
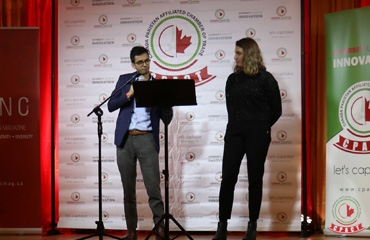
[(100, 231)]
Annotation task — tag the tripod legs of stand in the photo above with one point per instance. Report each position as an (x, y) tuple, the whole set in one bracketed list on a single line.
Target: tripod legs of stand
[(166, 217), (100, 231)]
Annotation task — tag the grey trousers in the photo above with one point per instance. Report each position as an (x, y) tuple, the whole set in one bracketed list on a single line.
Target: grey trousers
[(142, 148)]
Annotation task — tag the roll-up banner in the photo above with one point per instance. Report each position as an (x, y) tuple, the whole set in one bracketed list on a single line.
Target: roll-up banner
[(187, 39), (348, 122), (20, 181)]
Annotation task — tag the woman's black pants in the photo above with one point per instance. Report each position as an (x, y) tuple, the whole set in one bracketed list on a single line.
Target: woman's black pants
[(253, 139)]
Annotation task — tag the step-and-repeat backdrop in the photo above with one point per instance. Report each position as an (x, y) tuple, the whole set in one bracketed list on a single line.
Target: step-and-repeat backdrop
[(187, 39)]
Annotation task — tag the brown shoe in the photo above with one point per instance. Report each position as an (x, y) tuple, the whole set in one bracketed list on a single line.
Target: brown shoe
[(160, 233), (130, 235)]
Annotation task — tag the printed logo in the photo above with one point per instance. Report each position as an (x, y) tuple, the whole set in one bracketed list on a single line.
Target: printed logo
[(282, 55), (75, 79), (75, 40), (190, 197), (75, 157), (103, 19), (75, 118), (104, 176), (161, 137), (281, 176), (220, 95), (177, 39), (282, 138), (283, 94), (218, 176), (131, 38), (75, 196), (104, 137), (281, 135), (220, 54), (190, 156), (131, 3), (251, 32), (281, 11), (282, 216), (220, 136), (281, 14), (190, 116), (220, 14), (354, 116), (102, 97), (103, 58), (346, 211), (105, 215), (75, 3), (281, 52)]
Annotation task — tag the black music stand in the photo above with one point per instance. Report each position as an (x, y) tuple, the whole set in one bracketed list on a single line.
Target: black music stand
[(166, 94)]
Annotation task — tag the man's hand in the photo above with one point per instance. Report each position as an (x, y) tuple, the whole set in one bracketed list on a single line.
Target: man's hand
[(130, 93)]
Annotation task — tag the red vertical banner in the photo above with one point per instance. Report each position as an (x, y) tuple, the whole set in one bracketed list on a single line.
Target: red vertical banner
[(20, 183)]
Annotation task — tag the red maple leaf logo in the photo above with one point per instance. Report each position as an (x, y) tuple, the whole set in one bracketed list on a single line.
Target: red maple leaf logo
[(181, 43), (350, 211), (367, 110)]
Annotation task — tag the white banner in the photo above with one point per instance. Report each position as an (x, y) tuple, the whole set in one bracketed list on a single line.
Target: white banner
[(95, 38)]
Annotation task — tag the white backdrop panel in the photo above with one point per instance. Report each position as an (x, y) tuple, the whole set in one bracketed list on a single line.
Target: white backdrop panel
[(94, 41)]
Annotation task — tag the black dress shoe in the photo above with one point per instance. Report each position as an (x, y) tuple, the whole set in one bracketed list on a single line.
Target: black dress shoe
[(130, 235), (251, 233), (221, 233)]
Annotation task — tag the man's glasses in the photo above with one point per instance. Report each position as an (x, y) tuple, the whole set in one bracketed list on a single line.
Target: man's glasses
[(141, 63)]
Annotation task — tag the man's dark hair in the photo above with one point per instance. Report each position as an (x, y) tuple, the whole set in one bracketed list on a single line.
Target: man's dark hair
[(137, 51)]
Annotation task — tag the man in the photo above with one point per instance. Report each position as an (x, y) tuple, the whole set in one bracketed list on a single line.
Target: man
[(137, 138)]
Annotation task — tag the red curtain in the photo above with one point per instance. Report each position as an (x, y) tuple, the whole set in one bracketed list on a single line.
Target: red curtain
[(306, 76), (364, 3), (38, 13)]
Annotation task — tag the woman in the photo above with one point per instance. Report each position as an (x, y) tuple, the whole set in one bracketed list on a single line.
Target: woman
[(253, 104)]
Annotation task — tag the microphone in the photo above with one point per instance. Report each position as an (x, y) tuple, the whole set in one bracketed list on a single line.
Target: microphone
[(137, 74), (141, 78)]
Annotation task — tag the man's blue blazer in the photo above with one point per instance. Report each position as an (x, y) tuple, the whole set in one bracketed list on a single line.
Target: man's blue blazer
[(126, 109)]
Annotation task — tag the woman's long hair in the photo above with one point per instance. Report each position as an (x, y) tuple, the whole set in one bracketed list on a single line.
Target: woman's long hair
[(253, 61)]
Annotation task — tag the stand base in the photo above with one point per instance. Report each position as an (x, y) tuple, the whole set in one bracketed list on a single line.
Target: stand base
[(305, 233), (100, 231), (166, 217), (53, 230)]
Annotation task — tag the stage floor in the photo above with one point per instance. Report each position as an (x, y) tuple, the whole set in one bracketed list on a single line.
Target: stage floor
[(194, 235)]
